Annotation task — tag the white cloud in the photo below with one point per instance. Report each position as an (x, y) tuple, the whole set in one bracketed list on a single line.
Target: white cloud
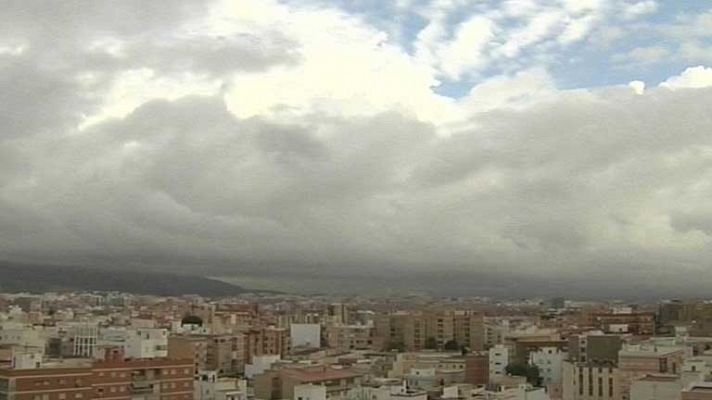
[(640, 8), (643, 55), (638, 87), (466, 51), (693, 77)]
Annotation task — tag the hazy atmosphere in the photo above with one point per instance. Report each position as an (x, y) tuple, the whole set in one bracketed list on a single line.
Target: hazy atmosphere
[(457, 143)]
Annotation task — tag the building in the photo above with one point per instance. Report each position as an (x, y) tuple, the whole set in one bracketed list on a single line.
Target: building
[(549, 360), (656, 387), (697, 391), (338, 313), (83, 339), (189, 347), (266, 341), (147, 379), (146, 343), (209, 386), (416, 331), (634, 323), (498, 361), (226, 354), (156, 379), (477, 368), (596, 347), (280, 383), (637, 361), (305, 335), (589, 381), (351, 337), (46, 384)]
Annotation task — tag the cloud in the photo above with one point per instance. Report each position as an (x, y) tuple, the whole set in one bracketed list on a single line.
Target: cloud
[(302, 137), (643, 56), (640, 8), (693, 77)]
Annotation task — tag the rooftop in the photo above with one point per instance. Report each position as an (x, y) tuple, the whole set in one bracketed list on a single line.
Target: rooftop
[(319, 374)]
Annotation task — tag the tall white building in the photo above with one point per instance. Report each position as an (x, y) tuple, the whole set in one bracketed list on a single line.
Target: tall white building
[(84, 339), (498, 361), (305, 335), (549, 360), (146, 343)]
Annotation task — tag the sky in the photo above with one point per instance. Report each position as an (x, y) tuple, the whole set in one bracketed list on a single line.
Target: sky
[(520, 139)]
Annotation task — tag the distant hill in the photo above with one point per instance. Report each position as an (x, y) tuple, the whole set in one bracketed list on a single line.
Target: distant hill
[(16, 277)]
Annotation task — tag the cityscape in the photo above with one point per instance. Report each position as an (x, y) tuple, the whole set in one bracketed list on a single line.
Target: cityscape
[(356, 200), (112, 345)]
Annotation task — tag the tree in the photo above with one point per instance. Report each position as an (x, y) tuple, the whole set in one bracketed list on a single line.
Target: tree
[(451, 345), (531, 372), (431, 343)]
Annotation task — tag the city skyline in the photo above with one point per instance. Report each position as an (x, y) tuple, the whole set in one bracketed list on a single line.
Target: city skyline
[(424, 143)]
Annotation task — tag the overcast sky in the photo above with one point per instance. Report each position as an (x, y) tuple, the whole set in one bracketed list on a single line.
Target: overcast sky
[(533, 137)]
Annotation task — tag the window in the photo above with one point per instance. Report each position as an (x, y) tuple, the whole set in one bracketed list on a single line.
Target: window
[(78, 396), (62, 396)]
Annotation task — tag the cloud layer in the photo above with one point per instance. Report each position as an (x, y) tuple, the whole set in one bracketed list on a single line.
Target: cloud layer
[(290, 135)]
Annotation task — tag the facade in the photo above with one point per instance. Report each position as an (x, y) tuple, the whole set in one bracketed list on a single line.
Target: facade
[(189, 347), (226, 354), (46, 384), (634, 323), (635, 362), (589, 381), (112, 379), (157, 379), (656, 387), (146, 343), (83, 339), (549, 360), (697, 391), (595, 347), (416, 331), (351, 337), (266, 341), (498, 361), (477, 368), (305, 335), (280, 384)]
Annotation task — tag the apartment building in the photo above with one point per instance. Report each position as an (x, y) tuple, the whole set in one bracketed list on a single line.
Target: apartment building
[(46, 384), (266, 341), (634, 323), (549, 360), (280, 383), (637, 361), (589, 381), (351, 337), (111, 379), (189, 347), (415, 331), (226, 354), (146, 343), (697, 391), (477, 368), (595, 346), (498, 361), (148, 379)]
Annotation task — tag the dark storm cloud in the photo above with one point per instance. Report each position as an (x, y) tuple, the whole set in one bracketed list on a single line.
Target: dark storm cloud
[(580, 184)]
